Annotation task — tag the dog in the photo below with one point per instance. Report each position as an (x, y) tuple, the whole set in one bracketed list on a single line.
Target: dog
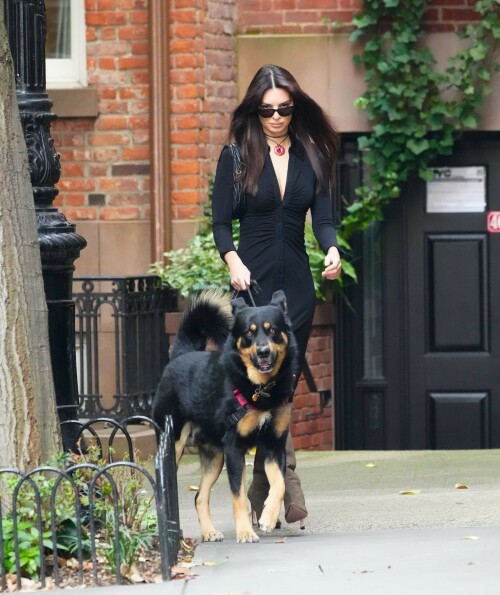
[(232, 398)]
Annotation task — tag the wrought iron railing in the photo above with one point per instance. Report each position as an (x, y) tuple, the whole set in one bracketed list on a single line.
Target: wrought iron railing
[(121, 343), (30, 512)]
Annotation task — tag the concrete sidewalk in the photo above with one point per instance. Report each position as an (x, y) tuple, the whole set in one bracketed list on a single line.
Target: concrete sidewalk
[(379, 522), (363, 535)]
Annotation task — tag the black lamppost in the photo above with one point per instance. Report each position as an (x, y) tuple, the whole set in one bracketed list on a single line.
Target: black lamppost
[(59, 244)]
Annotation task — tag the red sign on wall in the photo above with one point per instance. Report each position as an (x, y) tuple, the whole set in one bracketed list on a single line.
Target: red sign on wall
[(494, 222)]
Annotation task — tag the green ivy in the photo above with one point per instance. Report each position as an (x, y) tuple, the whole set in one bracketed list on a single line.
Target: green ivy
[(417, 113)]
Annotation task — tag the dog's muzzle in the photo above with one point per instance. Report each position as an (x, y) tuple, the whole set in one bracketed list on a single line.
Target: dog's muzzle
[(265, 359)]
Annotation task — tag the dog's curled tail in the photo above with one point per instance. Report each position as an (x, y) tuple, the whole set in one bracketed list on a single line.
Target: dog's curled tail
[(208, 317)]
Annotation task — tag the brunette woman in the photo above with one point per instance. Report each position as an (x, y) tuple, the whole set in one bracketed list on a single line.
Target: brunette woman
[(288, 148)]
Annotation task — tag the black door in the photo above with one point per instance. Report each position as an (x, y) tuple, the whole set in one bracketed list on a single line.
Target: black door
[(422, 344)]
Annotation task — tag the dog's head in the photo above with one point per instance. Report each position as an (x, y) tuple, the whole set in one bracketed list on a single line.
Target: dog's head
[(262, 336)]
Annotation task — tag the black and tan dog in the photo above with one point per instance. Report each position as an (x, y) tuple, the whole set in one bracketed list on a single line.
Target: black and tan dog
[(232, 399)]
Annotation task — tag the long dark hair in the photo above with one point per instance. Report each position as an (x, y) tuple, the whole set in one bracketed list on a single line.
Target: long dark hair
[(310, 125)]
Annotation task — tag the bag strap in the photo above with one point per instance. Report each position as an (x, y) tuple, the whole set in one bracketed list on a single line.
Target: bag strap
[(235, 154)]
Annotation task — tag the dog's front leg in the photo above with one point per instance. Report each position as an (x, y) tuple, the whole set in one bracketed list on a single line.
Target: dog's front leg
[(274, 466), (274, 500), (235, 463)]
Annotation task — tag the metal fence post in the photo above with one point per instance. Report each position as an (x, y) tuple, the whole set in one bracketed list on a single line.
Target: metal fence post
[(167, 499)]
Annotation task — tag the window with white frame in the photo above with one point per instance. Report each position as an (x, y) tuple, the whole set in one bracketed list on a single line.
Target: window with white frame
[(65, 45)]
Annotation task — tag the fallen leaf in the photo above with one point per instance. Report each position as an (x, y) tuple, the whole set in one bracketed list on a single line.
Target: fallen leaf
[(188, 545), (179, 572), (362, 571), (132, 573), (192, 488), (370, 465), (471, 537), (209, 563), (280, 540), (409, 492), (461, 486)]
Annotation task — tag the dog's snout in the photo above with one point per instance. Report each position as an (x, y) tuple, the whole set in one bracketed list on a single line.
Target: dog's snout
[(263, 351)]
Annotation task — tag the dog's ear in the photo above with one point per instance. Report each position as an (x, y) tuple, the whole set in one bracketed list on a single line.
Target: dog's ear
[(279, 299), (238, 304)]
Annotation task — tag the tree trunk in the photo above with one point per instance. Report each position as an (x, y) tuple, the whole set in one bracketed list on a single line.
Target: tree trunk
[(29, 426)]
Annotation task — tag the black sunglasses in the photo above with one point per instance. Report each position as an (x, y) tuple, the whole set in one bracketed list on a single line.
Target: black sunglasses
[(268, 112)]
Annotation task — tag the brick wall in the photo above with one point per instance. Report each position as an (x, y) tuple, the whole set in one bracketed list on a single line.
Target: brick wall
[(203, 94), (105, 160), (316, 16), (294, 16), (312, 425)]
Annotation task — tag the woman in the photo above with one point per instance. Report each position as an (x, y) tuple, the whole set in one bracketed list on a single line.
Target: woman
[(288, 148)]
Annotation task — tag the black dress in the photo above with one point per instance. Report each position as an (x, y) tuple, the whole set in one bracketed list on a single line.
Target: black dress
[(271, 241)]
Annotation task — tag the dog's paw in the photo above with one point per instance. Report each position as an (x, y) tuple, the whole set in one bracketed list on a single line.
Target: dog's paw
[(269, 519), (212, 536), (247, 537), (267, 527)]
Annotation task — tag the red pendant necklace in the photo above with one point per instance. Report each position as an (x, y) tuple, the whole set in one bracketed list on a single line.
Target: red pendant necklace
[(279, 149)]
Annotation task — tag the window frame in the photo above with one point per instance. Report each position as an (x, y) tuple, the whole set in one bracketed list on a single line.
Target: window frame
[(71, 72)]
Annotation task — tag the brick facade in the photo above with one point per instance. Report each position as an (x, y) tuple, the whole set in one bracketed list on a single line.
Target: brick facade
[(105, 160), (312, 425), (203, 70), (316, 16)]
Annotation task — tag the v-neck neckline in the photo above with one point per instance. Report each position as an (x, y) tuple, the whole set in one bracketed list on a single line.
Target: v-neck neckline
[(276, 180)]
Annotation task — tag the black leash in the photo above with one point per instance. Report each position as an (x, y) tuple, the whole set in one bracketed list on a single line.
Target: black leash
[(254, 286)]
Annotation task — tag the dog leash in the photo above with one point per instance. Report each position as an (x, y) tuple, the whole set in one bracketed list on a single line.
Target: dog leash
[(253, 286)]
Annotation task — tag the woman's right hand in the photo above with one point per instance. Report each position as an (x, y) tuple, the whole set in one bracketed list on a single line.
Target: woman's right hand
[(238, 272)]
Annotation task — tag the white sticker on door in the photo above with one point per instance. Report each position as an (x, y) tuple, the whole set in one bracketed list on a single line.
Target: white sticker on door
[(457, 190)]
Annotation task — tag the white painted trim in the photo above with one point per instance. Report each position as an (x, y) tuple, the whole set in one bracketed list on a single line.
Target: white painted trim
[(67, 73)]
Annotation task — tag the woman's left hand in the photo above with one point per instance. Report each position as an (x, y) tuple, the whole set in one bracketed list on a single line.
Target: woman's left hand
[(333, 265)]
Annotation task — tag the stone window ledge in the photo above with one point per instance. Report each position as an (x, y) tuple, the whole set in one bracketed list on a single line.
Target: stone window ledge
[(74, 103)]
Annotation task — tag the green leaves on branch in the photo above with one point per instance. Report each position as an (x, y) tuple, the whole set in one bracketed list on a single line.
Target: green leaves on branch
[(417, 112)]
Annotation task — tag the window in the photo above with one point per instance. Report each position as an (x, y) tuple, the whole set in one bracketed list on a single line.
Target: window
[(65, 44)]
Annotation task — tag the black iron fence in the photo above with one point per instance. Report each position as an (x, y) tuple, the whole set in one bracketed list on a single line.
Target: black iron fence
[(90, 513), (121, 343)]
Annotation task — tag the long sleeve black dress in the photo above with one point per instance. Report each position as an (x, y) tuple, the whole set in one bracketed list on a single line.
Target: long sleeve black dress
[(271, 241)]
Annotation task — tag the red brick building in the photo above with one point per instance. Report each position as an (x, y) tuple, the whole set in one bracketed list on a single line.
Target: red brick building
[(139, 140)]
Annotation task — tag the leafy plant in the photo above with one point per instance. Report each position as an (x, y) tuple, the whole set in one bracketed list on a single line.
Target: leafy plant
[(417, 112), (130, 501), (199, 265), (29, 517)]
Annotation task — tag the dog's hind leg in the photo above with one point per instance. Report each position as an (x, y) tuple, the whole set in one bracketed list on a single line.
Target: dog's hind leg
[(180, 444), (235, 462), (211, 465)]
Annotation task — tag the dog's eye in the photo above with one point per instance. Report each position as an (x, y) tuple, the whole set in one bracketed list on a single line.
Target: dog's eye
[(272, 331), (248, 334)]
